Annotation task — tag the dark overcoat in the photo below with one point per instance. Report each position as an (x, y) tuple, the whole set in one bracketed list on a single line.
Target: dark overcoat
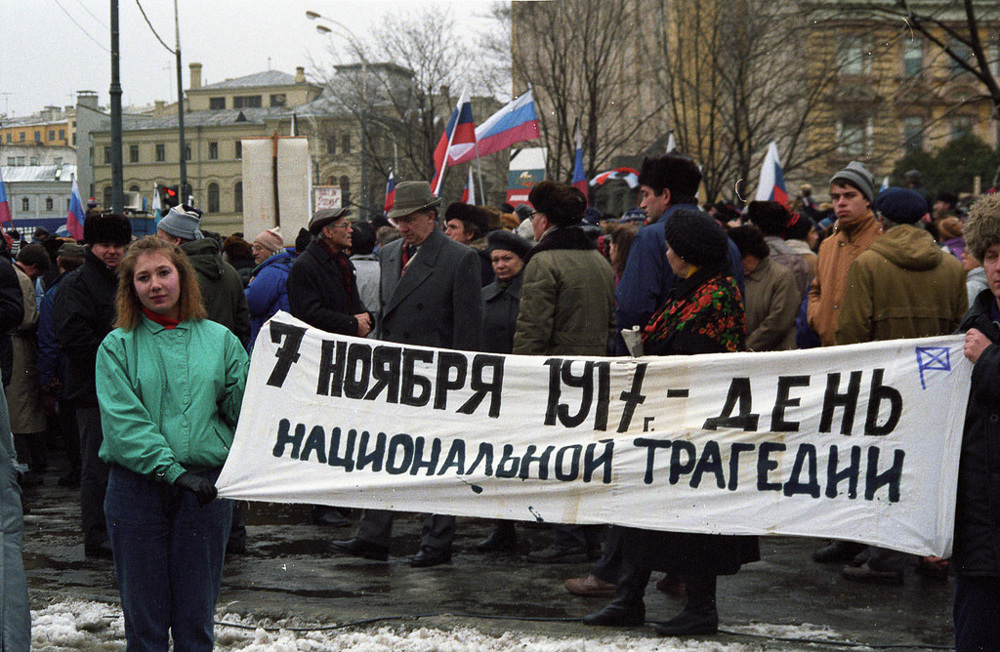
[(318, 295)]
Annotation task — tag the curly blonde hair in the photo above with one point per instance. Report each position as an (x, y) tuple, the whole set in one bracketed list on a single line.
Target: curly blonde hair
[(982, 229), (127, 301)]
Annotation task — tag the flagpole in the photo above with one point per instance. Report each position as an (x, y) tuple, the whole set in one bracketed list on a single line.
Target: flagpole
[(479, 173), (451, 137)]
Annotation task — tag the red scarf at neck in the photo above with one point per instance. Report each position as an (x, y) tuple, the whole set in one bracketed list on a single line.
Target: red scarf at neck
[(166, 322)]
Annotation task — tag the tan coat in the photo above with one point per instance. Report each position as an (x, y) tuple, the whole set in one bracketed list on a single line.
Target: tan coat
[(24, 396), (836, 254), (772, 304)]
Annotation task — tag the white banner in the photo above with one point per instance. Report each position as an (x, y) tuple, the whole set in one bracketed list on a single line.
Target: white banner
[(854, 442)]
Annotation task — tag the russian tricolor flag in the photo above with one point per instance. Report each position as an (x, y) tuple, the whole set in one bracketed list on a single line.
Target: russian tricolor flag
[(579, 178), (628, 175), (468, 193), (772, 180), (4, 204), (390, 192), (513, 123), (460, 130), (74, 220)]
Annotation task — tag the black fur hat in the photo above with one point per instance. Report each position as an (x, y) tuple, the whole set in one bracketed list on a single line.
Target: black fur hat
[(563, 205), (478, 218), (107, 228)]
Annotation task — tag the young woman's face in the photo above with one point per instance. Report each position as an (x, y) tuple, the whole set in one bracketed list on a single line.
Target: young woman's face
[(158, 285)]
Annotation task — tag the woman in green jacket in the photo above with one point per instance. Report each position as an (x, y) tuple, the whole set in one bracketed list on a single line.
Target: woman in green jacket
[(172, 384)]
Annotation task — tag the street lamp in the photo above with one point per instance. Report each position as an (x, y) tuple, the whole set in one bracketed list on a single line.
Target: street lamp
[(355, 43)]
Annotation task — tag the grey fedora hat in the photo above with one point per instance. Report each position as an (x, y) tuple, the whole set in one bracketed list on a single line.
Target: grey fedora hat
[(324, 217), (412, 196)]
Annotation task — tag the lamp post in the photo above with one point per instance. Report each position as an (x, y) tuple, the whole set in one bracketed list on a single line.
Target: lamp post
[(322, 29)]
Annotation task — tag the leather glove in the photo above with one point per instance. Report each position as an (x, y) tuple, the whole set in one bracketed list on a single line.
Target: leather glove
[(203, 489)]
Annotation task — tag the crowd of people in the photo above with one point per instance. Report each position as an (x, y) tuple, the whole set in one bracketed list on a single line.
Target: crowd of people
[(132, 356)]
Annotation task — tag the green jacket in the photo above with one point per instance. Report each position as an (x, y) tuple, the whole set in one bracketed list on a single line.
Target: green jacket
[(903, 286), (170, 398), (567, 298)]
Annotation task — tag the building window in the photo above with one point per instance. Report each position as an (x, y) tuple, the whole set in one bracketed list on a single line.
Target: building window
[(133, 153), (961, 126), (331, 145), (62, 134), (48, 203), (213, 198), (21, 137), (161, 153), (345, 191), (331, 181), (11, 161), (851, 137), (278, 99), (133, 188), (52, 134), (58, 161), (20, 161), (962, 52), (239, 149), (913, 56), (38, 136), (187, 152), (246, 102), (913, 134), (107, 156), (74, 139), (25, 204), (853, 55), (238, 197), (33, 160), (10, 137), (216, 103), (107, 197), (345, 143), (213, 150)]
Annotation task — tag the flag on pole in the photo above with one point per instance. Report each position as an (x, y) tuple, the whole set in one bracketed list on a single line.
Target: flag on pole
[(579, 177), (75, 217), (390, 192), (513, 123), (468, 194), (460, 130), (628, 175), (671, 144), (772, 180), (157, 205), (5, 215)]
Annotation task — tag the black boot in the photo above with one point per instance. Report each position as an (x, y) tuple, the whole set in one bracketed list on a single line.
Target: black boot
[(503, 538), (627, 609), (699, 615)]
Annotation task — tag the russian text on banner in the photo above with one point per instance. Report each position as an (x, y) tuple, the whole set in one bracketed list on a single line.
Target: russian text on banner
[(854, 442)]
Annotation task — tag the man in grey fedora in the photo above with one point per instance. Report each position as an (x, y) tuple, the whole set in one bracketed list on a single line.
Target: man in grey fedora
[(430, 292)]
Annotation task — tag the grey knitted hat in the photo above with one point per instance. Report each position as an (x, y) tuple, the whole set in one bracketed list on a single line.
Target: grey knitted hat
[(857, 175)]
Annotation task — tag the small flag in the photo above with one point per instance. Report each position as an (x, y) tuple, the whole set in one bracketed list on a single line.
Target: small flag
[(460, 130), (579, 177), (628, 175), (5, 215), (513, 123), (157, 204), (772, 180), (468, 196), (671, 144), (75, 217), (390, 192)]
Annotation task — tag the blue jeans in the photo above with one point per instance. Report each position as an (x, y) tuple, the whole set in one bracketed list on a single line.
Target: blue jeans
[(168, 557)]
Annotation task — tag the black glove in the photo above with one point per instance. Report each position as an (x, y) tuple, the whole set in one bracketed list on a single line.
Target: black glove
[(203, 489)]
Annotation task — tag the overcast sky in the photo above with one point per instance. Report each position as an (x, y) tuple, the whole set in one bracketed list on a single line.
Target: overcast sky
[(52, 48)]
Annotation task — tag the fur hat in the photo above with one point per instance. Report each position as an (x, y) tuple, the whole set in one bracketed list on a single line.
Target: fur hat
[(270, 239), (982, 229), (696, 237), (182, 222), (857, 175), (768, 216), (324, 217), (507, 241), (563, 205), (478, 218), (412, 196), (107, 227), (901, 205)]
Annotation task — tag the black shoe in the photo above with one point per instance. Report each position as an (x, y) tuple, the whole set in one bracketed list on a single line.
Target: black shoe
[(559, 555), (501, 539), (428, 556), (838, 552), (364, 549), (101, 550), (617, 615), (702, 621), (329, 516)]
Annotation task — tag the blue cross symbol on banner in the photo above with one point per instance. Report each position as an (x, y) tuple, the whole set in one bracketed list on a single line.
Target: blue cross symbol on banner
[(932, 358)]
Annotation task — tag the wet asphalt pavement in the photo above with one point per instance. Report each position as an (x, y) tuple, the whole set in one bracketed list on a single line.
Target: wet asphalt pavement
[(292, 573)]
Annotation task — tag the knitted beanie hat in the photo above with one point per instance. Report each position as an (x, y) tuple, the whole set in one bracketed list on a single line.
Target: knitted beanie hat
[(696, 237), (270, 239)]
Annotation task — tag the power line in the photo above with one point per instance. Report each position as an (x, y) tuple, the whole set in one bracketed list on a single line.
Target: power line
[(99, 22), (153, 29), (70, 16)]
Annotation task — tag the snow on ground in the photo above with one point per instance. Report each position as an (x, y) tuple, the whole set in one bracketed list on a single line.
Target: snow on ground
[(82, 625)]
